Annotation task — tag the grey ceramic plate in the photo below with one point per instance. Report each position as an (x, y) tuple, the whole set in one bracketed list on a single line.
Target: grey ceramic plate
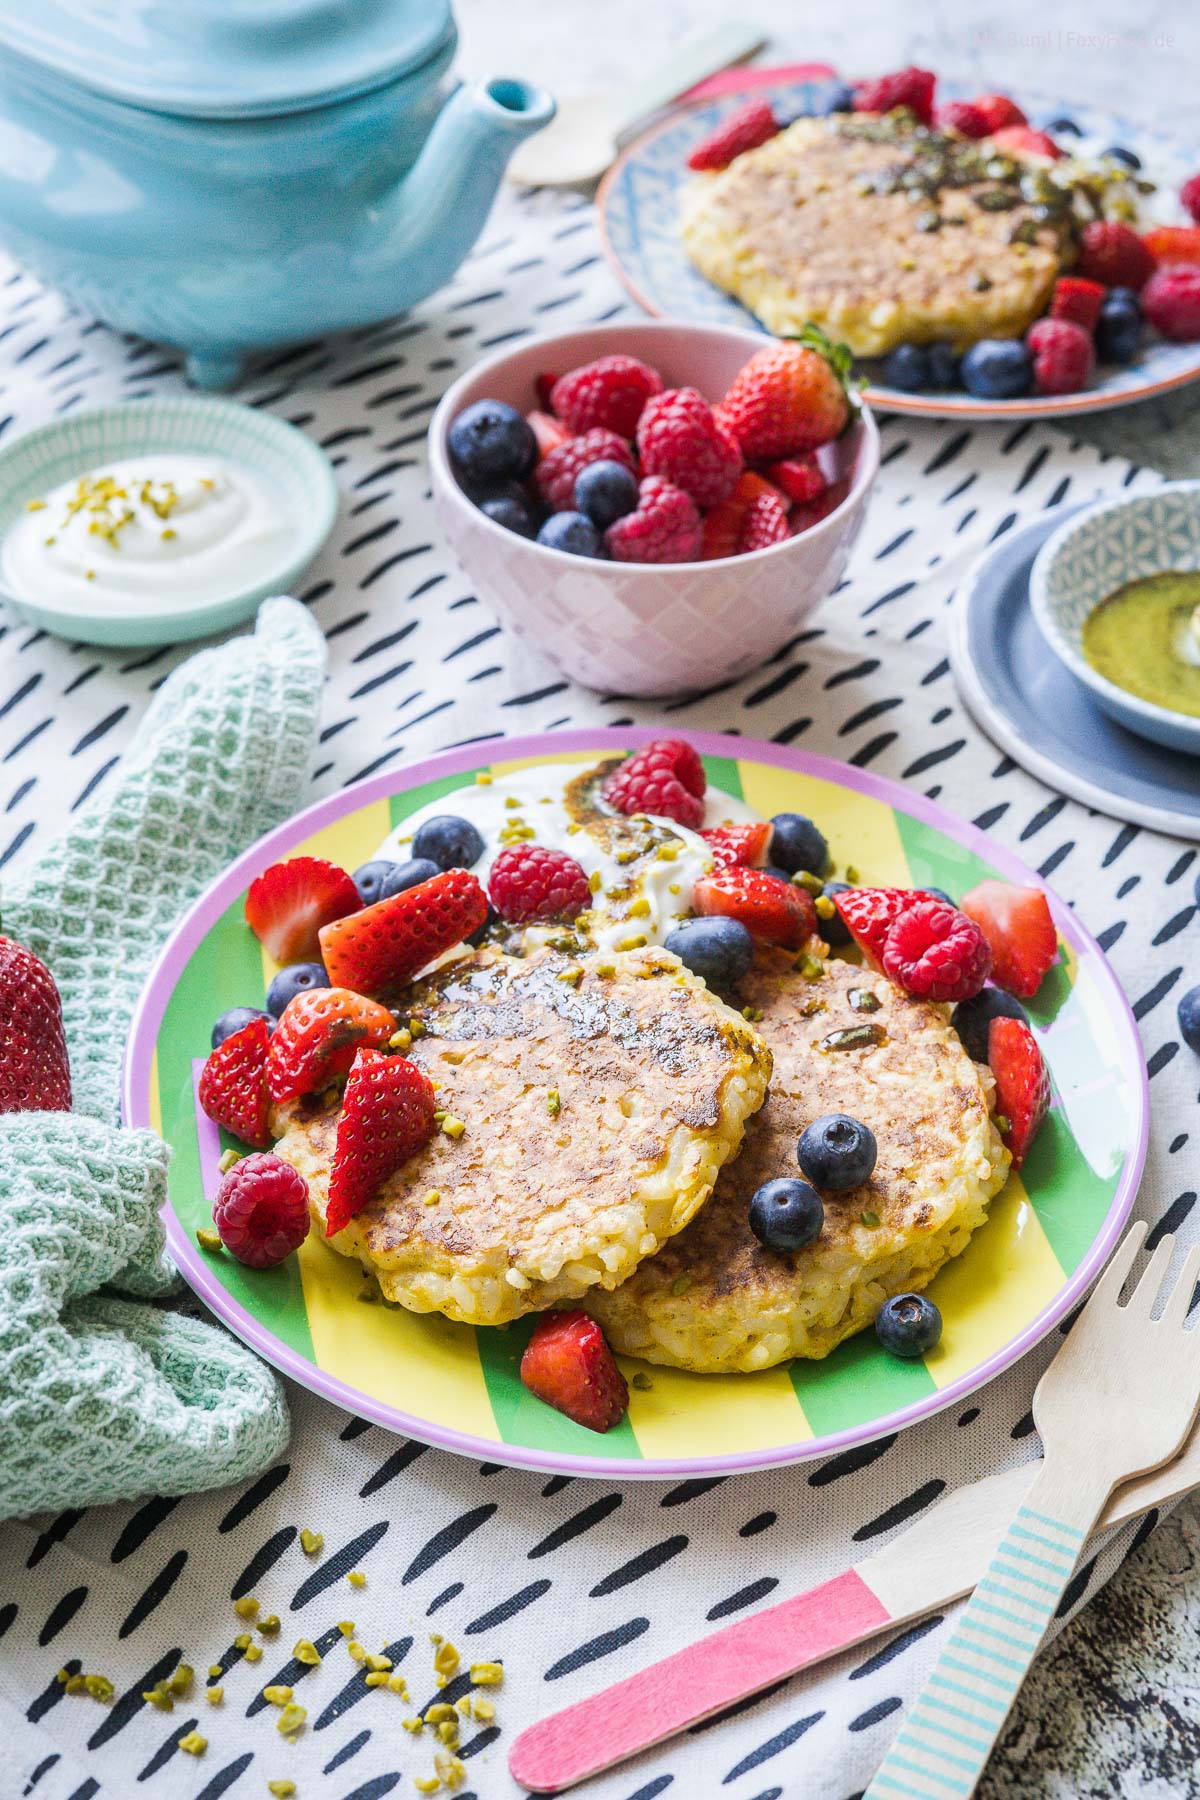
[(1035, 709)]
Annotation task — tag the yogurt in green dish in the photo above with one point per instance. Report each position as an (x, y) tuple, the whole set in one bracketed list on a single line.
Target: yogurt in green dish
[(1145, 638)]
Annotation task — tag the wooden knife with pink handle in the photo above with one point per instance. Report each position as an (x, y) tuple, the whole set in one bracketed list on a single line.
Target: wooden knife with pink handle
[(934, 1562)]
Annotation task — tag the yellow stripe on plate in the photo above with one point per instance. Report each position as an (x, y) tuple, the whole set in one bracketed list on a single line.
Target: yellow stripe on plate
[(347, 842), (717, 1415), (154, 1098), (559, 756), (862, 832), (422, 1363), (1005, 1277)]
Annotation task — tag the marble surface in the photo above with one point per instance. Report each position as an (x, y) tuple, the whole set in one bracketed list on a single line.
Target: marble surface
[(1113, 1708)]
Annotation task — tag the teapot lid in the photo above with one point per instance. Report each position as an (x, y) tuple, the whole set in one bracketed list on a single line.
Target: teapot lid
[(227, 58)]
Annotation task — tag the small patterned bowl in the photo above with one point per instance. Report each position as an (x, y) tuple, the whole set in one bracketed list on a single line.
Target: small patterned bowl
[(289, 462), (646, 628), (1091, 556)]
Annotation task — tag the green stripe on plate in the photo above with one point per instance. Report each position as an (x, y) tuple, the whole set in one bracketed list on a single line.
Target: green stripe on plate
[(521, 1419), (856, 1383), (1068, 1196), (724, 773), (935, 861), (401, 806)]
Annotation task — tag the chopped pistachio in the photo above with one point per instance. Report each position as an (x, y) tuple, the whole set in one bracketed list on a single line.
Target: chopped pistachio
[(448, 1732), (157, 1697), (446, 1659), (305, 1651), (427, 1784), (640, 1380), (681, 1284), (193, 1743), (1003, 1124), (228, 1159), (208, 1240), (246, 1607), (215, 1694), (269, 1626), (863, 1000), (346, 1627), (810, 967), (282, 1790), (812, 884), (450, 1768), (35, 506), (242, 1641), (291, 1719), (554, 1103), (376, 1661), (413, 1725), (180, 1682), (487, 1674), (482, 1709), (215, 1671), (400, 1040), (852, 875), (453, 1127), (254, 1653), (76, 1684), (752, 1014), (870, 1219), (416, 1027), (277, 1695), (358, 1652), (311, 1541), (356, 1578), (640, 908), (63, 1676), (463, 1706), (99, 1687), (483, 777), (572, 976), (595, 881), (432, 1197), (824, 906), (606, 971), (667, 853), (398, 1685), (511, 802), (376, 1678), (439, 1712)]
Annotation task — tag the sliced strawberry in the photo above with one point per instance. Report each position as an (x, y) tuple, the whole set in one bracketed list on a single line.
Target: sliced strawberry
[(997, 110), (811, 512), (870, 913), (543, 386), (1022, 1084), (739, 846), (549, 431), (1017, 924), (317, 1037), (34, 1073), (723, 523), (288, 904), (774, 911), (383, 946), (387, 1115), (233, 1084), (1023, 141), (801, 477), (568, 1364)]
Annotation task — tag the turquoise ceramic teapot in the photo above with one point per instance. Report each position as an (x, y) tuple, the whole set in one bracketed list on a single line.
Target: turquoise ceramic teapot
[(227, 176)]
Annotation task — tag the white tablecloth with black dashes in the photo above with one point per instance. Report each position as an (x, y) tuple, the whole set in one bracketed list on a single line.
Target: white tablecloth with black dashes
[(571, 1583)]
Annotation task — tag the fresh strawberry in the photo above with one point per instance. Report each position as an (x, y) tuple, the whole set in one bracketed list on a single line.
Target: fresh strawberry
[(803, 518), (739, 846), (665, 777), (34, 1073), (680, 438), (383, 946), (1189, 194), (567, 1363), (1022, 1084), (555, 475), (935, 952), (722, 525), (963, 116), (317, 1036), (800, 477), (530, 882), (1064, 357), (999, 111), (1024, 142), (1078, 300), (1017, 924), (765, 524), (289, 902), (1171, 302), (909, 87), (1173, 243), (550, 432), (609, 392), (1114, 255), (261, 1211), (751, 125), (664, 527), (543, 387), (386, 1117), (775, 911), (233, 1084), (869, 914), (789, 398)]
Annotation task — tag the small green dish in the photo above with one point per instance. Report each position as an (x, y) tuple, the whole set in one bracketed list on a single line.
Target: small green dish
[(293, 465)]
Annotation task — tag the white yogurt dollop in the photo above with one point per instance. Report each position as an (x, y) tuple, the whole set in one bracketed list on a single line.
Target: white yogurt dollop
[(644, 898), (145, 533)]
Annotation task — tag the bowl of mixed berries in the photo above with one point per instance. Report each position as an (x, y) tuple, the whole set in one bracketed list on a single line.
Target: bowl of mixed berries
[(656, 506)]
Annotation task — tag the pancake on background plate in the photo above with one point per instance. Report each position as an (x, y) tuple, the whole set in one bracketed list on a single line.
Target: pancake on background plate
[(713, 1299), (599, 1095)]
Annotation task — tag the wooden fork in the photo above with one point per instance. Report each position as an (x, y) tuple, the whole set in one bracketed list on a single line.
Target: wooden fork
[(1118, 1399)]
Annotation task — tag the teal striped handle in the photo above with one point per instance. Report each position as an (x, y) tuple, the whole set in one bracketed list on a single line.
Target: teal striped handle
[(943, 1746)]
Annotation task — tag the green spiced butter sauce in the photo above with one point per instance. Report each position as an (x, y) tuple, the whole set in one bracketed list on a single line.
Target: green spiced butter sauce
[(1145, 638)]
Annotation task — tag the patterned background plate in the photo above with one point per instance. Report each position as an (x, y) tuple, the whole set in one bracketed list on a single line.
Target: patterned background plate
[(457, 1386), (638, 212)]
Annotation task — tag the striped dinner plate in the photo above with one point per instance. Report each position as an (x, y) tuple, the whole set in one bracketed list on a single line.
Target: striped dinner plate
[(457, 1386)]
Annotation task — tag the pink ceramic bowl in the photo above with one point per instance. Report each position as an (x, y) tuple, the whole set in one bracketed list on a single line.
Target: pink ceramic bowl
[(630, 628)]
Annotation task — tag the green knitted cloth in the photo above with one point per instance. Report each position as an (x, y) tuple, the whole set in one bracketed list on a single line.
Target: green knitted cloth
[(102, 1398)]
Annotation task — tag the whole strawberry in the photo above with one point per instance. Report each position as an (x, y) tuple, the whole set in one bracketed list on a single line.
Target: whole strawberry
[(529, 882), (1064, 357), (34, 1073), (610, 392), (555, 475), (1171, 302), (789, 398), (1114, 255), (386, 1117), (665, 777), (751, 125), (261, 1211), (664, 527), (680, 438)]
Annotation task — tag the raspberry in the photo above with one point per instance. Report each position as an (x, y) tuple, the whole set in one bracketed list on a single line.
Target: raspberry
[(1113, 255), (963, 116), (1077, 300), (529, 882), (1023, 141), (680, 438), (765, 523), (1189, 194), (801, 478), (1064, 357), (610, 391), (934, 952), (555, 475), (999, 111), (869, 914), (664, 527), (261, 1211), (907, 87), (745, 129), (1171, 302), (665, 778)]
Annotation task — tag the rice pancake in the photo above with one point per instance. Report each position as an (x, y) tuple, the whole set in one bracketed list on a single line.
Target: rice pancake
[(880, 232), (600, 1097), (714, 1300)]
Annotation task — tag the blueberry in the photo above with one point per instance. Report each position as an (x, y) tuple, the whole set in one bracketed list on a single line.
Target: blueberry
[(477, 936), (834, 930), (235, 1020), (836, 99), (944, 366), (572, 532), (719, 950), (297, 978), (491, 442), (1063, 128), (604, 492), (908, 1325), (786, 1214), (1118, 153), (1189, 1018), (971, 1019), (448, 842), (797, 844), (511, 508), (369, 880), (778, 873), (1119, 327), (997, 369), (939, 894), (907, 368), (837, 1153), (408, 874)]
